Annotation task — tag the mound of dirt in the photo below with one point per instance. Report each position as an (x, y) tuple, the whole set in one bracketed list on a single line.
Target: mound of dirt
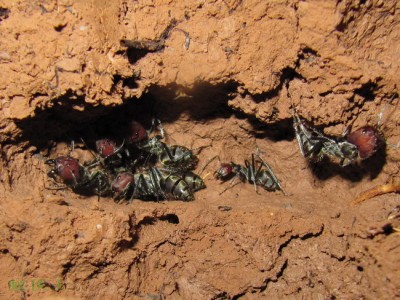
[(224, 77)]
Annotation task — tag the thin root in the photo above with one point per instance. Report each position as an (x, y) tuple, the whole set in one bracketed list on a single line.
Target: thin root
[(376, 191)]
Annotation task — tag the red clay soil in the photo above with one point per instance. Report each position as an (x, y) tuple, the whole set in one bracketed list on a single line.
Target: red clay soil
[(224, 74)]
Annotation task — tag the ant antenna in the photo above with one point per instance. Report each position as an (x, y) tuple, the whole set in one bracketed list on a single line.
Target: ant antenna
[(207, 163), (199, 149), (97, 159), (231, 185), (156, 123)]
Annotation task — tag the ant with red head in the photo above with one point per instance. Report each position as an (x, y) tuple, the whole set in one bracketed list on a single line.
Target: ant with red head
[(257, 171), (83, 179)]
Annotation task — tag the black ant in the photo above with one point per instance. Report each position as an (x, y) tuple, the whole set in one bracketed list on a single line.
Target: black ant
[(257, 172), (153, 183), (172, 157), (83, 179)]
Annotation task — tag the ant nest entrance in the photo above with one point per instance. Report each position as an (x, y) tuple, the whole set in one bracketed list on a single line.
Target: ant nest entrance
[(125, 152), (164, 147), (161, 147), (132, 164)]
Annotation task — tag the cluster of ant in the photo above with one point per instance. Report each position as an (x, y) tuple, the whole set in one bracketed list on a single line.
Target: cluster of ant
[(142, 167)]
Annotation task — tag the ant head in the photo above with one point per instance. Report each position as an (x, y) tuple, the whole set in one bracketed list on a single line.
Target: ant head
[(367, 139), (67, 167), (106, 147), (122, 182), (136, 132), (225, 172)]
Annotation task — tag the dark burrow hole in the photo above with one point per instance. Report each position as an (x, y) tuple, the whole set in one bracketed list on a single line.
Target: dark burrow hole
[(367, 90), (279, 131), (70, 119), (60, 27), (67, 267), (4, 13), (170, 218), (285, 76), (63, 122), (128, 244), (132, 54)]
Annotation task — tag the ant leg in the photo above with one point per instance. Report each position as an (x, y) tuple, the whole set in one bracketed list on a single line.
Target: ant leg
[(124, 194), (167, 150), (258, 172), (161, 128), (208, 162), (93, 164), (156, 123), (380, 121), (251, 174), (258, 151), (231, 185), (138, 185), (146, 161), (200, 148), (271, 173), (57, 187), (128, 190), (347, 130), (98, 189), (119, 148), (75, 180), (248, 173), (97, 160), (72, 146)]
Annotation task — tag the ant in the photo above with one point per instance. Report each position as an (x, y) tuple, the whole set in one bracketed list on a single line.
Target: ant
[(84, 179), (257, 172), (314, 145), (152, 183), (172, 157), (157, 183)]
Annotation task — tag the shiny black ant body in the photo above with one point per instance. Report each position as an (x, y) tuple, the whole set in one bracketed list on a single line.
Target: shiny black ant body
[(358, 145), (257, 172), (83, 179), (111, 156), (132, 169), (172, 157), (155, 183), (315, 146)]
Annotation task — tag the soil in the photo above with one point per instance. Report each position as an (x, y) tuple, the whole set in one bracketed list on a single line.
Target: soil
[(223, 74)]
